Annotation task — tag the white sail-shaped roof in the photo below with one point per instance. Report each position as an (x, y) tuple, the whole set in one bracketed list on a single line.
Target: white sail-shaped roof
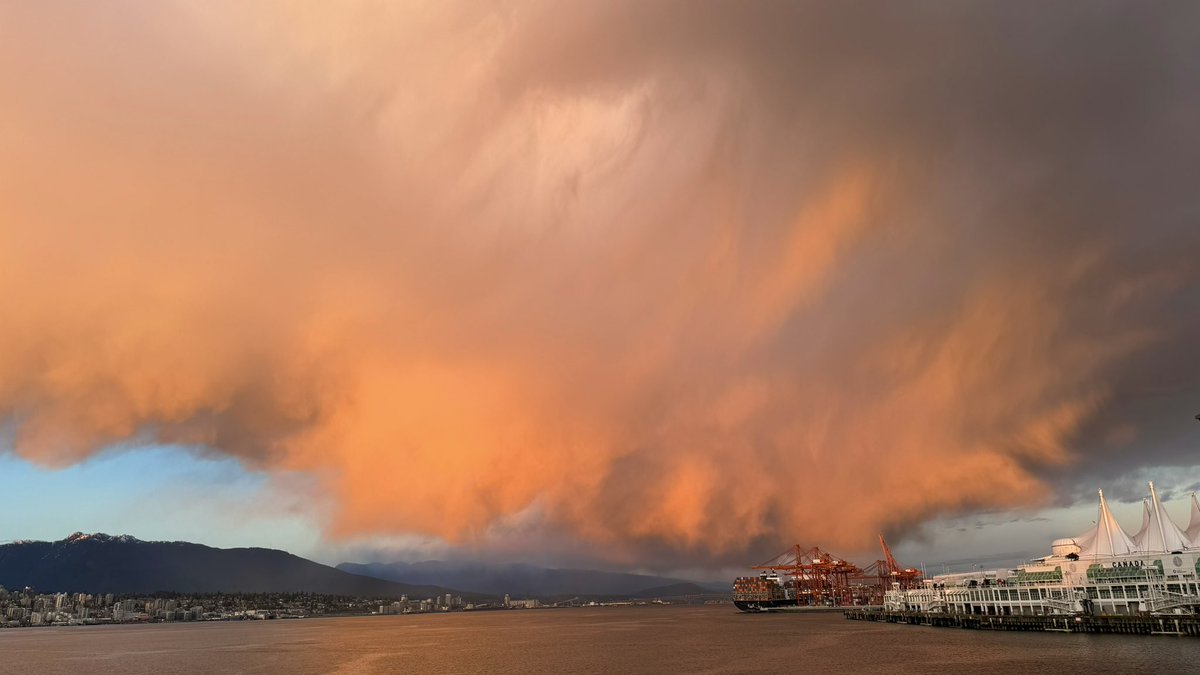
[(1140, 537), (1109, 538), (1085, 540), (1193, 531), (1162, 535)]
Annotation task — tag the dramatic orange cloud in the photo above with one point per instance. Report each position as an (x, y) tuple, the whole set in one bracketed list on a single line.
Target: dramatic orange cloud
[(692, 278)]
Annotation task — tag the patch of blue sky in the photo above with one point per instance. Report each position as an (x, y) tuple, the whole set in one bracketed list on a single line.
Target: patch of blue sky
[(155, 492)]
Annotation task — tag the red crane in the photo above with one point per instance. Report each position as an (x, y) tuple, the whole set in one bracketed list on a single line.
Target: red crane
[(907, 577), (818, 577)]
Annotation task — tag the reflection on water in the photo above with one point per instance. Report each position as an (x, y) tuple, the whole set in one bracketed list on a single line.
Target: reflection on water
[(713, 639)]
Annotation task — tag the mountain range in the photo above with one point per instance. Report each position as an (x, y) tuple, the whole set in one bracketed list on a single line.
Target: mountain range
[(529, 580), (101, 563)]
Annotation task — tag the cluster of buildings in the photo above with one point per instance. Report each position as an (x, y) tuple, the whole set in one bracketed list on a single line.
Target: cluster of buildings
[(27, 607), (24, 608), (451, 603), (531, 603), (436, 604), (1102, 571)]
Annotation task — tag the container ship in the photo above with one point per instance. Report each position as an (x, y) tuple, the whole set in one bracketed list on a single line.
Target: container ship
[(1103, 571), (763, 593)]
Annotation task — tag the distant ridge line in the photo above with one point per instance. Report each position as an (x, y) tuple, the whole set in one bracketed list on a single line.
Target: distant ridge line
[(124, 564)]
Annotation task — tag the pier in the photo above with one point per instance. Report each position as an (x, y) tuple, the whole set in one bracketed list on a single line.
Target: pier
[(1188, 625)]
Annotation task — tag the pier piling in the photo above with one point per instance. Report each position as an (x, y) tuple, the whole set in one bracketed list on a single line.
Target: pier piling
[(1188, 625)]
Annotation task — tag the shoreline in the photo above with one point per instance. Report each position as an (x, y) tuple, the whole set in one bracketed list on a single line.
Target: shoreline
[(363, 615)]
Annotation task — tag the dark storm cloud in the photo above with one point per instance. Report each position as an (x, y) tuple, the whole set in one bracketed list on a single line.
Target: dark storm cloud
[(655, 281)]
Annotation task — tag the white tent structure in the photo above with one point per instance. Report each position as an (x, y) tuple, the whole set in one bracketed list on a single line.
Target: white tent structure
[(1193, 531), (1156, 572), (1162, 534), (1140, 537), (1085, 540), (1108, 538)]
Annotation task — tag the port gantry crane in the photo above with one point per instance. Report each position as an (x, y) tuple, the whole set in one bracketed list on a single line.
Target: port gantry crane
[(875, 579), (821, 578), (890, 572), (818, 577)]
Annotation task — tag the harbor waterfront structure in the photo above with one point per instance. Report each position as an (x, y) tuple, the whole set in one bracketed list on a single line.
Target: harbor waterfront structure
[(802, 579), (1101, 572)]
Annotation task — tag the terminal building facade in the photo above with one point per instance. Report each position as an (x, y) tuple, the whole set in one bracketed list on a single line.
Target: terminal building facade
[(1103, 571)]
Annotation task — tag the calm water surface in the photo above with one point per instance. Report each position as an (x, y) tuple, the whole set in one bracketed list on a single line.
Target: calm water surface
[(712, 639)]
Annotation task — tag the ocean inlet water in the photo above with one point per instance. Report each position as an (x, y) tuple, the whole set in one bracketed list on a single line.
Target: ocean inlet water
[(655, 639)]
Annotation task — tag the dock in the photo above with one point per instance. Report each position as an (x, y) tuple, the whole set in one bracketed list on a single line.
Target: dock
[(1185, 625)]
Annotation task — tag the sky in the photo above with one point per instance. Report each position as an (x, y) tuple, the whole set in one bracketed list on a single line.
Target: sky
[(665, 286)]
